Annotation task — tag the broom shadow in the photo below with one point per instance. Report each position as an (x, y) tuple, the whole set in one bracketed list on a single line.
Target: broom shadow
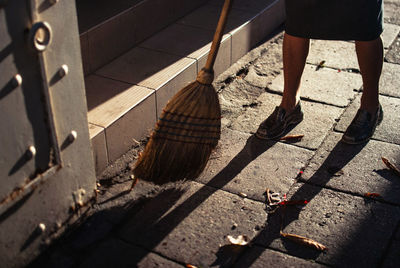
[(339, 157), (253, 148), (151, 233)]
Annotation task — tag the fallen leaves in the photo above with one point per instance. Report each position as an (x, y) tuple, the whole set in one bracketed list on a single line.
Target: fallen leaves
[(373, 195), (241, 240), (243, 195), (392, 167), (134, 182), (292, 138), (320, 65), (274, 202), (304, 241)]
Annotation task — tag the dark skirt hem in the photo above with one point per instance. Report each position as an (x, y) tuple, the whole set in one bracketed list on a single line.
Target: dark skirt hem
[(360, 20), (341, 37)]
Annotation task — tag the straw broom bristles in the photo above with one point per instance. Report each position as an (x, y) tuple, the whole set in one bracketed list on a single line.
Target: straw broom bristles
[(189, 127), (184, 137)]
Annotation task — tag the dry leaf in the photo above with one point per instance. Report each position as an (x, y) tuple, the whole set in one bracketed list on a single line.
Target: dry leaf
[(292, 137), (190, 266), (241, 240), (372, 195), (134, 182), (391, 166), (320, 65), (243, 195), (304, 241)]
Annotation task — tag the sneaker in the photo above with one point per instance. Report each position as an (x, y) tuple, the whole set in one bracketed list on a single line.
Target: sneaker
[(362, 127), (278, 122)]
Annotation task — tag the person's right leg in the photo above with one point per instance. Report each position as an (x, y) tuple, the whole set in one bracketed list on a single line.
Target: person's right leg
[(295, 51)]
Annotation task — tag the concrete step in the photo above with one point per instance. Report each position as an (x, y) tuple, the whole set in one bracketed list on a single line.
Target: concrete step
[(126, 96), (107, 30)]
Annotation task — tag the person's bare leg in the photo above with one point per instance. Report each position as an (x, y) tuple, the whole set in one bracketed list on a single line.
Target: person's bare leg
[(370, 60), (295, 52)]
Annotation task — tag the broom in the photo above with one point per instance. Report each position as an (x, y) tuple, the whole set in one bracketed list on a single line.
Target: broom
[(189, 127)]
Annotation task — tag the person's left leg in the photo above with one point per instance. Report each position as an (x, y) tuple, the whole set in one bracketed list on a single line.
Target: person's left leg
[(370, 60)]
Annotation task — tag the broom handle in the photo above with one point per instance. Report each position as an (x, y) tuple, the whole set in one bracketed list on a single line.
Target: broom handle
[(218, 36)]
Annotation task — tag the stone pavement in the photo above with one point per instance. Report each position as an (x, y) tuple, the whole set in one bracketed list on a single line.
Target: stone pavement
[(189, 222)]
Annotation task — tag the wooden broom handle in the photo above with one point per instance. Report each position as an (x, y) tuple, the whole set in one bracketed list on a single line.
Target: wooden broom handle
[(218, 36)]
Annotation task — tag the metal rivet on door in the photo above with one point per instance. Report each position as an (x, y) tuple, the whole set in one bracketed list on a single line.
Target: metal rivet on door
[(31, 152), (63, 71), (40, 36), (41, 227), (17, 80), (72, 136)]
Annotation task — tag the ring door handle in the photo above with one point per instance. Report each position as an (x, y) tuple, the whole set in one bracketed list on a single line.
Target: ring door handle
[(40, 36)]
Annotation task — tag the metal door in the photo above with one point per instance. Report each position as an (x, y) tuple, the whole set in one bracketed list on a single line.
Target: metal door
[(46, 168)]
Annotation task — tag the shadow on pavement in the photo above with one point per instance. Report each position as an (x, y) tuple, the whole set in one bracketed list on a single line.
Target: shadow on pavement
[(150, 218), (338, 158), (150, 232)]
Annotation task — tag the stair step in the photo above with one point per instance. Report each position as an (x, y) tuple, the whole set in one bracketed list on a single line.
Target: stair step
[(109, 29), (126, 95)]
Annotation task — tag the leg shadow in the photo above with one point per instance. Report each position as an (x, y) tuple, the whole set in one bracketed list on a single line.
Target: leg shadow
[(338, 158)]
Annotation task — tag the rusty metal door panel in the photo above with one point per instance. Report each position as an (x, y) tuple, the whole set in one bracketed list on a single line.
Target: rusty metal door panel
[(46, 168), (22, 114)]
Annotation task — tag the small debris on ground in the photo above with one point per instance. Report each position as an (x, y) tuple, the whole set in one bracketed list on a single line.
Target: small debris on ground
[(372, 195), (243, 195), (241, 240), (391, 166), (304, 241), (292, 138), (320, 65)]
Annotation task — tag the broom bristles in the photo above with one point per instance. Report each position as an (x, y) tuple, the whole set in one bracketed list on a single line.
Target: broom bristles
[(184, 137)]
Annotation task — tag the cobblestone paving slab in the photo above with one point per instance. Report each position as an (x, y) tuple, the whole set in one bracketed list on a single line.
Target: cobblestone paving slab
[(392, 11), (237, 95), (388, 130), (244, 164), (393, 54), (91, 232), (116, 253), (390, 80), (318, 119), (191, 224), (336, 54), (117, 199), (389, 34), (392, 259), (325, 85), (356, 169), (258, 257), (355, 230), (268, 66)]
